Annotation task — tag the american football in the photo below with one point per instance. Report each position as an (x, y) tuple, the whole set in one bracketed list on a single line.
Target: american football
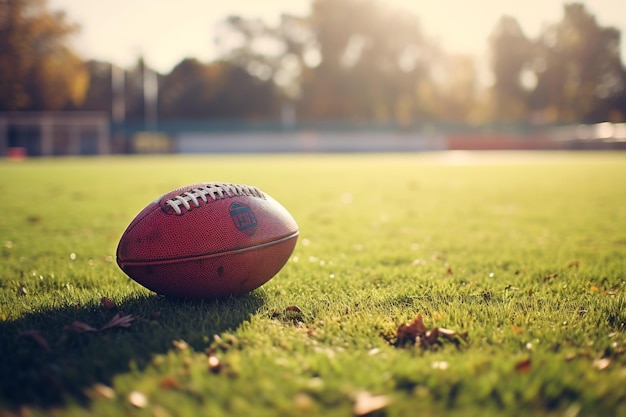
[(208, 240)]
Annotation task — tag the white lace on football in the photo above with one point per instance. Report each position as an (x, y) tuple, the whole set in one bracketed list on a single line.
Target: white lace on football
[(215, 191)]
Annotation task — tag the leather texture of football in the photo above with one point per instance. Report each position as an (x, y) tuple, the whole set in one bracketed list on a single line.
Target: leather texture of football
[(208, 240)]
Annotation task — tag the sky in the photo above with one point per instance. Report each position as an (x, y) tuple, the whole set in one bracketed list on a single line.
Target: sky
[(166, 31)]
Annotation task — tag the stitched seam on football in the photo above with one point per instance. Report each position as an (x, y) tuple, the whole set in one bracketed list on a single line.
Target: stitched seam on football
[(208, 256), (216, 191), (163, 207)]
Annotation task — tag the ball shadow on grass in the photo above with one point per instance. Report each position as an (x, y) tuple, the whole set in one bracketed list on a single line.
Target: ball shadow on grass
[(44, 376)]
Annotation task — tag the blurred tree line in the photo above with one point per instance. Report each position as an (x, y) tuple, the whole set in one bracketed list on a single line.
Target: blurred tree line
[(329, 65)]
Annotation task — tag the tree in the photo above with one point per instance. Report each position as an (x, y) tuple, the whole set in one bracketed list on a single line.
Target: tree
[(271, 53), (511, 54), (460, 91), (336, 66), (98, 94), (219, 90), (38, 71), (580, 75), (375, 67), (184, 91)]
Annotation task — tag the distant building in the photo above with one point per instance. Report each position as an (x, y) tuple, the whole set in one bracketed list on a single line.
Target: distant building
[(54, 133)]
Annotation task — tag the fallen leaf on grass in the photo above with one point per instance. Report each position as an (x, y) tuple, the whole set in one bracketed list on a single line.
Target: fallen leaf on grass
[(517, 330), (108, 303), (293, 308), (37, 337), (169, 383), (523, 367), (79, 327), (549, 277), (291, 313), (118, 320), (409, 332), (613, 291), (574, 264), (416, 333), (366, 403)]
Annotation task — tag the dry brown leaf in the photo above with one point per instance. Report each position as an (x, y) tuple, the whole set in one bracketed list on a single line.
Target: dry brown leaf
[(517, 330), (119, 321), (366, 403), (291, 313), (293, 308), (430, 338), (169, 383), (37, 337), (574, 264), (409, 332), (523, 367), (79, 327), (108, 303), (416, 333), (549, 277)]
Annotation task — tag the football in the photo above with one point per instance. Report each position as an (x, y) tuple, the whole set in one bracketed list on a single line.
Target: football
[(208, 240)]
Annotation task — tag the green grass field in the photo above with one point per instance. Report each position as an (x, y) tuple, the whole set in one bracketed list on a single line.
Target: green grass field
[(526, 252)]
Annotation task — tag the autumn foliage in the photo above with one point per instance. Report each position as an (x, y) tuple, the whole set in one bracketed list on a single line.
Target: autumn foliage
[(381, 68)]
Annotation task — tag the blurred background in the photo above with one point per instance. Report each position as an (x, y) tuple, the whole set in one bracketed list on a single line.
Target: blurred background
[(192, 76)]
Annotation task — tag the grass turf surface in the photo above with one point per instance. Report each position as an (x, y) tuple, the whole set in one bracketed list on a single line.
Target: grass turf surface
[(526, 252)]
